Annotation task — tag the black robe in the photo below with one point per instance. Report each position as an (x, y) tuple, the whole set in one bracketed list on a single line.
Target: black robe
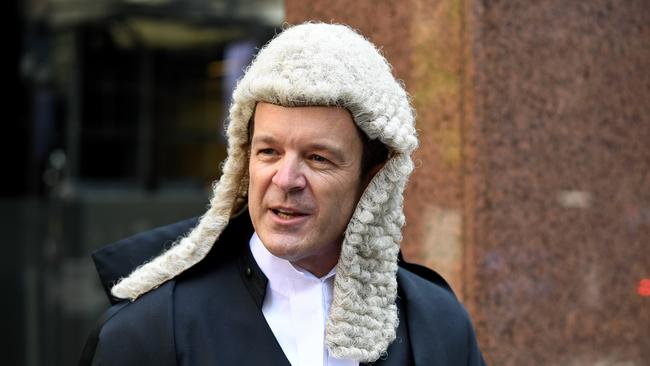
[(211, 314)]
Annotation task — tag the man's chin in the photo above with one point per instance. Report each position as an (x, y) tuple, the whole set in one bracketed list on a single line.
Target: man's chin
[(283, 246)]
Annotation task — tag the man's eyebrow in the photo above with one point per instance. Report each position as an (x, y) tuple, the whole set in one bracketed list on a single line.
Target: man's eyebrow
[(334, 150), (265, 139)]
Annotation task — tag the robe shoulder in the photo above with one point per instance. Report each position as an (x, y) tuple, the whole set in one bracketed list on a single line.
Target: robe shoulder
[(140, 332), (440, 327), (119, 259)]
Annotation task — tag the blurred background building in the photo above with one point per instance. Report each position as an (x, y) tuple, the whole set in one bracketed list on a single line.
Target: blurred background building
[(120, 107), (531, 193)]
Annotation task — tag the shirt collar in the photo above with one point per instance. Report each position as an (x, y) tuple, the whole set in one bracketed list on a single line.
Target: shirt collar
[(284, 277)]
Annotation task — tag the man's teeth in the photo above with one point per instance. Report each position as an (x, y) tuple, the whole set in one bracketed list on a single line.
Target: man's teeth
[(285, 214)]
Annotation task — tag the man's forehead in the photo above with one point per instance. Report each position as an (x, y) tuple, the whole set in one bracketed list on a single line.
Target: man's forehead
[(277, 116)]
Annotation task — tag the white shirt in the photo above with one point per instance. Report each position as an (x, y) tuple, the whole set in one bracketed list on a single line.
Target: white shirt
[(296, 307)]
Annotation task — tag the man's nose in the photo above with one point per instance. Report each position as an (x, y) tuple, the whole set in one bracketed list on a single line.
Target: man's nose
[(289, 176)]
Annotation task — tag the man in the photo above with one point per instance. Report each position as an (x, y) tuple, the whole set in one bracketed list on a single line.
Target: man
[(296, 260)]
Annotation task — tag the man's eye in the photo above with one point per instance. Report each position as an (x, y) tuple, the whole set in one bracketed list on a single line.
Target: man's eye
[(318, 158), (266, 151)]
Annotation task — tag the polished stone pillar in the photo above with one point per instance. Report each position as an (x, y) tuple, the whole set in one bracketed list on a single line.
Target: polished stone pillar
[(531, 193)]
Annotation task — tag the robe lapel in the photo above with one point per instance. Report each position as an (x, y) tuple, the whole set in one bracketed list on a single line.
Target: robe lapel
[(218, 323), (219, 320)]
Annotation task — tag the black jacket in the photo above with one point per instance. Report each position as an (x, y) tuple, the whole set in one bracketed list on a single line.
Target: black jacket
[(211, 314)]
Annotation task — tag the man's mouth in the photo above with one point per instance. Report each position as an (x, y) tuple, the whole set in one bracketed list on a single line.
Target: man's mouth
[(287, 214)]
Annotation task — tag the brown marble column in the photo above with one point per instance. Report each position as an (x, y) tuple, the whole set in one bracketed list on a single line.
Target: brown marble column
[(561, 177), (532, 188)]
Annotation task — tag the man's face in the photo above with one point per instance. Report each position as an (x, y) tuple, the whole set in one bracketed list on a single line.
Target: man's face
[(305, 182)]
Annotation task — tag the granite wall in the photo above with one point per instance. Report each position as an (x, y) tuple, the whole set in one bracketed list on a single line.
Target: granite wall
[(532, 187)]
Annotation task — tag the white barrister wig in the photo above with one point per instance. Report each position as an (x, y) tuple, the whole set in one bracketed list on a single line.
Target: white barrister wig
[(319, 64)]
